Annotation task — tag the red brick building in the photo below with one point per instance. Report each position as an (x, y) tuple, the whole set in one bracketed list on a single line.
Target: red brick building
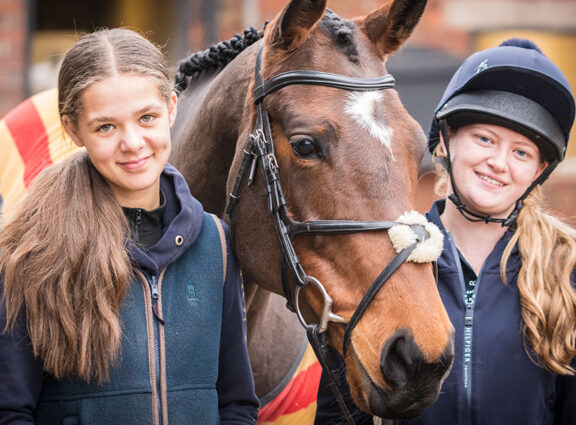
[(13, 52)]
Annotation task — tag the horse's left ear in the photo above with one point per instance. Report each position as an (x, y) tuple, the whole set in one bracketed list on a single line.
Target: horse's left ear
[(391, 25), (292, 27)]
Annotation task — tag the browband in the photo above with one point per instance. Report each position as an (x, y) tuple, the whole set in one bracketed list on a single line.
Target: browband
[(317, 78), (324, 79)]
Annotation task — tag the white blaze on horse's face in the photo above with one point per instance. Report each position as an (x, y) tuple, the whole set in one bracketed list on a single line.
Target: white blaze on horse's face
[(361, 106)]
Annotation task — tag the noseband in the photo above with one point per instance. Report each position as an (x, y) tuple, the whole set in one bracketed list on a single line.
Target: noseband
[(260, 150)]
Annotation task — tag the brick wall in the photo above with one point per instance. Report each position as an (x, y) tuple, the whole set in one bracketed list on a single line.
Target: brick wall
[(13, 24)]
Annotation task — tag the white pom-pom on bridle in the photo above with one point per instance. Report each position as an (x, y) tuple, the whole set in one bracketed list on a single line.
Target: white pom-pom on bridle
[(402, 236)]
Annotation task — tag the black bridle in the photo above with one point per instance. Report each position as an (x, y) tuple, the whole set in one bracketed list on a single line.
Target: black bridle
[(260, 150)]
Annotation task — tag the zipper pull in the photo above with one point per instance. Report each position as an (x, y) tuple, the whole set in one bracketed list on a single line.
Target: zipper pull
[(155, 296), (468, 318), (156, 315), (154, 287)]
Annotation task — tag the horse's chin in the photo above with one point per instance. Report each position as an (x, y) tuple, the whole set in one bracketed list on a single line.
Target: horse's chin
[(401, 402), (395, 405)]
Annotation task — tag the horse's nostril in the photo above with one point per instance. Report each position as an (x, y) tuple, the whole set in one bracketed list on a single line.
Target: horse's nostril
[(400, 358), (402, 362)]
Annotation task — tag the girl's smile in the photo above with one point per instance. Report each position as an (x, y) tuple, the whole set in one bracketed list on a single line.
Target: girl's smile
[(136, 164)]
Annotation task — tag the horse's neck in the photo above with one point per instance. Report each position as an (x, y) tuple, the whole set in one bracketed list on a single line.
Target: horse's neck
[(208, 135)]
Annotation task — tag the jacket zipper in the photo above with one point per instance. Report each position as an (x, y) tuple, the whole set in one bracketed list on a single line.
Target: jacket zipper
[(465, 416), (138, 222), (153, 281)]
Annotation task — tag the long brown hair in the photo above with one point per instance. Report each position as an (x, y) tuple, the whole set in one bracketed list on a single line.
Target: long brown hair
[(547, 298), (63, 252)]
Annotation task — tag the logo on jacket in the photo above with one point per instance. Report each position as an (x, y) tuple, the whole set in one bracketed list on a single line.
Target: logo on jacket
[(192, 292)]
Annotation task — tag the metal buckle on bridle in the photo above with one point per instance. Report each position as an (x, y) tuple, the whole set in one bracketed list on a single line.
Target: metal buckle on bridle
[(327, 313), (257, 146)]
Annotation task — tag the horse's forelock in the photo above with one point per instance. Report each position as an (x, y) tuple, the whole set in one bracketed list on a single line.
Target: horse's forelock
[(341, 31)]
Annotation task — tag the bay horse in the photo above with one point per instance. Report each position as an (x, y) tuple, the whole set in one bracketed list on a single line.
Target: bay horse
[(301, 129)]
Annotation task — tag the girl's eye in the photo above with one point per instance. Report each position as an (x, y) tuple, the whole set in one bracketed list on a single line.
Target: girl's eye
[(521, 153), (305, 148), (484, 139), (105, 128)]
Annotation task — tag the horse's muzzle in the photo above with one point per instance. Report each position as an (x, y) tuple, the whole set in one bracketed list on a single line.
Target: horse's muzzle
[(414, 383)]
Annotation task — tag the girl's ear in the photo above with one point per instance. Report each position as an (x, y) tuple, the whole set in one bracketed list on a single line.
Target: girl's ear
[(172, 108), (72, 131), (441, 148), (543, 165)]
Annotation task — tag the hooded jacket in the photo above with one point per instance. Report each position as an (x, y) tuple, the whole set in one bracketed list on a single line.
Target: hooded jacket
[(184, 357), (493, 381)]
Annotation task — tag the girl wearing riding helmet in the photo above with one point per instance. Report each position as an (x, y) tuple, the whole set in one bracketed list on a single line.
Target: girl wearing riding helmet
[(120, 300), (506, 271)]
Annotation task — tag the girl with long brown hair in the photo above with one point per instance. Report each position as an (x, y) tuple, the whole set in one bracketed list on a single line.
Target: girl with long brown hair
[(506, 273), (120, 299)]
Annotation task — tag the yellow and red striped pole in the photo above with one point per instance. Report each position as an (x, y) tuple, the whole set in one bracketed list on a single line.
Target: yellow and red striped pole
[(31, 139)]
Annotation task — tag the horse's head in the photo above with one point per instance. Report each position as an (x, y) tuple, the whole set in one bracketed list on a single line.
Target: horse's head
[(351, 155)]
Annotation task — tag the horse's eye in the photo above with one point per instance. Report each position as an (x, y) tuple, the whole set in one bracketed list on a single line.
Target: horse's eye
[(305, 148)]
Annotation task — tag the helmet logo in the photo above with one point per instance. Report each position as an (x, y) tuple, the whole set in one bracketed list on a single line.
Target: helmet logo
[(482, 66)]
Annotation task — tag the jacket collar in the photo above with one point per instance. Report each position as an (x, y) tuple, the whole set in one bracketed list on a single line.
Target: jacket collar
[(182, 222)]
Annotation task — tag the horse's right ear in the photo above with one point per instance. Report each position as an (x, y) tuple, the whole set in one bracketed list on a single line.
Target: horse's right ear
[(392, 24), (292, 26)]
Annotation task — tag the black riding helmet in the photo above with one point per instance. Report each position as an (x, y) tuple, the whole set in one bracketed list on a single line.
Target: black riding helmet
[(515, 86)]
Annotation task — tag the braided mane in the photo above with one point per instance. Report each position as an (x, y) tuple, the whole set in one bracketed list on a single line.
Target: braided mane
[(221, 54), (216, 56)]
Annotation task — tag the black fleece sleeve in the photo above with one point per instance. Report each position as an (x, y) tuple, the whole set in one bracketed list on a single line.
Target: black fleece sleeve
[(237, 399), (20, 372), (565, 408)]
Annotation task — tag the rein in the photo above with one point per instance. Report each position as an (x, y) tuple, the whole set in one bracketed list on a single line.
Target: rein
[(260, 151)]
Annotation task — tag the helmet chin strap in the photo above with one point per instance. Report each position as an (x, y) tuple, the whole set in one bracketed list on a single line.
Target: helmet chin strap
[(472, 216), (475, 217)]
